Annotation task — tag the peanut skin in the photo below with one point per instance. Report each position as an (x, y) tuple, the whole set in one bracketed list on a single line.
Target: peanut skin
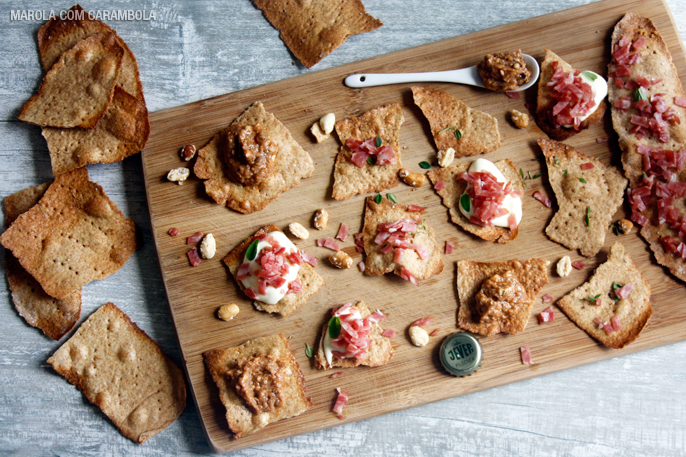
[(410, 178)]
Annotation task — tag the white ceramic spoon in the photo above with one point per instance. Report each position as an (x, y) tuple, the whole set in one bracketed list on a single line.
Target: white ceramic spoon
[(462, 76)]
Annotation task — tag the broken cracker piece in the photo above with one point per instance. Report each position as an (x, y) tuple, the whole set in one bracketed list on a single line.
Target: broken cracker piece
[(631, 313), (502, 316), (588, 193), (75, 234), (349, 179), (310, 280), (456, 125), (313, 29), (290, 164), (271, 358), (78, 89), (453, 189), (119, 368)]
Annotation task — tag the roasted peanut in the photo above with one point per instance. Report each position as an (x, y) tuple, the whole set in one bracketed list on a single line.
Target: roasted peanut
[(298, 230), (187, 152), (179, 174), (564, 266), (419, 336), (341, 260), (227, 312), (208, 246), (520, 120), (410, 178), (327, 122), (445, 157), (321, 218), (625, 226)]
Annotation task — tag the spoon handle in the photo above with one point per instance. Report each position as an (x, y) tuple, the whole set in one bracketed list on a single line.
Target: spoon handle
[(463, 76)]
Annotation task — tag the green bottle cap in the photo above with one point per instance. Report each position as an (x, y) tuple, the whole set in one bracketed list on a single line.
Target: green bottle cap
[(461, 354)]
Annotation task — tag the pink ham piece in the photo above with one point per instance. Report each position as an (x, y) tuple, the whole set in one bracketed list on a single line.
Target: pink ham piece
[(616, 324), (624, 291), (449, 246), (363, 150), (343, 232), (341, 402), (573, 95), (578, 265), (407, 276), (680, 101), (434, 332), (525, 352), (415, 208), (547, 298), (420, 322), (587, 166), (487, 195), (543, 199), (389, 333), (547, 315), (354, 339), (329, 243), (194, 238), (243, 272), (174, 231), (295, 286), (336, 375), (361, 267), (513, 95), (377, 316), (396, 237), (601, 139), (439, 185), (194, 257)]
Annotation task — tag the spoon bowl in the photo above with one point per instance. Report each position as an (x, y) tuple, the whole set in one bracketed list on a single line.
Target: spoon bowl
[(469, 76)]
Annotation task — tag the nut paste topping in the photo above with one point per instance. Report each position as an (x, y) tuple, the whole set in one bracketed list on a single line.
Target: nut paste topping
[(500, 298), (249, 154), (258, 381), (504, 71)]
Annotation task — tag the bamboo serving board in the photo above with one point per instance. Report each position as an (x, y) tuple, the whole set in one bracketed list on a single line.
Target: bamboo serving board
[(414, 376)]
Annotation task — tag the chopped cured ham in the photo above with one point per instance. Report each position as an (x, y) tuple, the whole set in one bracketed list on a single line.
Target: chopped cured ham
[(329, 243), (680, 101), (194, 238), (243, 272), (343, 232), (449, 247), (354, 338), (487, 195), (525, 352), (587, 166), (295, 286), (174, 231), (194, 257), (434, 332), (547, 298), (547, 315), (543, 199), (624, 291), (361, 266), (341, 402), (407, 276), (420, 322), (616, 324), (573, 95), (389, 333), (337, 374), (364, 150), (601, 139), (397, 236), (578, 265), (415, 208), (439, 185), (513, 95), (309, 259)]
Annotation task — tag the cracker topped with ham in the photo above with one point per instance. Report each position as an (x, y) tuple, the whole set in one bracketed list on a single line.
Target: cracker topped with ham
[(353, 337), (397, 239), (369, 159), (649, 116)]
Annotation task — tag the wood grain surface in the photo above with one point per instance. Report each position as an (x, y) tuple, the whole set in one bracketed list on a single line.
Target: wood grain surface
[(414, 377)]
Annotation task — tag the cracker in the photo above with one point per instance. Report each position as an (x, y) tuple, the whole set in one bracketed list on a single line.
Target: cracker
[(311, 281), (241, 418), (119, 368), (57, 36), (349, 179), (122, 132), (54, 317), (545, 102), (454, 188), (291, 164), (314, 28), (633, 312), (379, 353), (601, 193), (378, 263), (655, 64), (79, 87), (73, 235), (532, 274), (478, 131)]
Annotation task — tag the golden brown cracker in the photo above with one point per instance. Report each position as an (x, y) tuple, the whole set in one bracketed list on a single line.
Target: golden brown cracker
[(22, 201), (291, 164), (349, 179), (310, 279), (79, 87), (73, 235), (532, 274), (587, 199), (57, 36), (378, 263), (312, 29), (478, 131), (242, 420), (545, 102), (379, 352), (119, 368), (122, 132), (633, 311), (453, 189)]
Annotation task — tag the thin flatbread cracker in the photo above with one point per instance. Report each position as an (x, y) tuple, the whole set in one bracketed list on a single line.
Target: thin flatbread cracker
[(379, 352), (73, 235), (314, 28), (119, 368), (453, 189), (378, 263), (632, 313), (310, 280), (587, 199), (54, 317), (291, 164), (122, 132), (456, 125), (532, 275), (79, 87), (349, 179), (293, 398)]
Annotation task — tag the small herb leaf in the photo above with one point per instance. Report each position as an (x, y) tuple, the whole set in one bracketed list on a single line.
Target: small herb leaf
[(557, 161), (565, 173), (458, 134), (251, 253), (466, 202), (537, 175), (583, 180), (521, 173), (371, 160), (334, 327), (391, 197), (379, 141), (590, 75), (587, 217), (308, 351), (640, 94), (425, 165), (378, 199)]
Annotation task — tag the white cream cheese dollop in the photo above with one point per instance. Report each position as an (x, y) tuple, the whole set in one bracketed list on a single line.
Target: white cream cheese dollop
[(512, 204), (273, 294), (328, 341), (599, 89)]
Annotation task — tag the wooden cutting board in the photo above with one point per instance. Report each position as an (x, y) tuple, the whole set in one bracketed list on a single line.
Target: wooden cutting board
[(414, 376)]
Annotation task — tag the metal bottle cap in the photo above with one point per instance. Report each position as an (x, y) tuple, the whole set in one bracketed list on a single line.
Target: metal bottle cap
[(461, 354)]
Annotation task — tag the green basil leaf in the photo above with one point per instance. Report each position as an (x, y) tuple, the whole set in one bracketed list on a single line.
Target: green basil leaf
[(371, 160), (251, 253), (391, 197), (590, 75), (378, 199), (334, 327), (640, 94), (458, 134), (583, 180), (466, 202), (308, 351), (379, 141), (425, 165)]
